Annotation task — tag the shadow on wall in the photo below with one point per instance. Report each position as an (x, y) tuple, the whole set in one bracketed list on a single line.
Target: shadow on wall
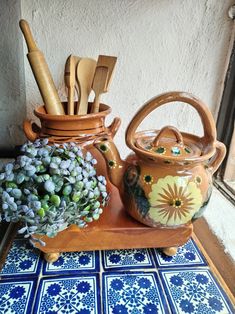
[(12, 80)]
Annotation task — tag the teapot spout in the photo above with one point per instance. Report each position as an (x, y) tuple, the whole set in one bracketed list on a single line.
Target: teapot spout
[(115, 165)]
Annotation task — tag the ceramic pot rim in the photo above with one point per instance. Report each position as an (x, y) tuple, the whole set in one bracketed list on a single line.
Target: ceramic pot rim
[(45, 116)]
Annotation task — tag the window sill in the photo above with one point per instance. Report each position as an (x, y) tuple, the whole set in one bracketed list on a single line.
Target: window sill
[(217, 235), (220, 216)]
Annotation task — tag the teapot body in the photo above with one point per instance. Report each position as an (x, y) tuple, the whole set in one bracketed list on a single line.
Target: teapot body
[(165, 194), (168, 182)]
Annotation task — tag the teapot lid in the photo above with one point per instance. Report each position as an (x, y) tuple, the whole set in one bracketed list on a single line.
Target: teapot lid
[(169, 143)]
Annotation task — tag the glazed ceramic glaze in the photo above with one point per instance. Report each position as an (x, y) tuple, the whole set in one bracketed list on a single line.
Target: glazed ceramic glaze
[(82, 129), (168, 181)]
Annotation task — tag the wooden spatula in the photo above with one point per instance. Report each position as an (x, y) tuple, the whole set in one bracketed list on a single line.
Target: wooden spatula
[(99, 84), (109, 62), (85, 74), (70, 80)]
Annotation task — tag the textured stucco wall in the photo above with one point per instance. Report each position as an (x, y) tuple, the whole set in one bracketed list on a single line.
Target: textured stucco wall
[(161, 45), (12, 87)]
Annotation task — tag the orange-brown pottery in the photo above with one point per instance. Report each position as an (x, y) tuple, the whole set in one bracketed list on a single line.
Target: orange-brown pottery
[(168, 181), (82, 129)]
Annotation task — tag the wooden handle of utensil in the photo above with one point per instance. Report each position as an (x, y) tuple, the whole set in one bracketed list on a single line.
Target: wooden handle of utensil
[(96, 104), (82, 103), (24, 26), (204, 113), (71, 100), (70, 81), (41, 73)]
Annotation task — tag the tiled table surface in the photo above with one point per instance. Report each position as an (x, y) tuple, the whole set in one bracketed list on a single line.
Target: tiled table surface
[(110, 282)]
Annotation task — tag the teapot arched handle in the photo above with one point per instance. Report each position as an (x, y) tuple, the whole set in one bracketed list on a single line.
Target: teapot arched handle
[(29, 128), (204, 113)]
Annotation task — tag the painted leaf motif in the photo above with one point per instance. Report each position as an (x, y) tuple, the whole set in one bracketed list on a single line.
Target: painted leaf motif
[(132, 187)]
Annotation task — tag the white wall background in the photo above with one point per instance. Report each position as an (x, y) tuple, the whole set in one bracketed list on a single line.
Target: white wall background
[(161, 45), (12, 87)]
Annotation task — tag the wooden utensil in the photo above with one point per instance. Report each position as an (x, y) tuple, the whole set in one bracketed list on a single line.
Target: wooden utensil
[(70, 80), (42, 73), (109, 62), (99, 84), (85, 73), (77, 60)]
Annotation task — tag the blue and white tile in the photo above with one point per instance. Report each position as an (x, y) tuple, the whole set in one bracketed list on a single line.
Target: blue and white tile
[(187, 255), (195, 290), (22, 260), (68, 294), (133, 293), (127, 259), (17, 296), (72, 263)]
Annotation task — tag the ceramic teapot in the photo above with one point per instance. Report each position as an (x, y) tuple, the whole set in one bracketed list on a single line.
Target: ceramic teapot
[(167, 181)]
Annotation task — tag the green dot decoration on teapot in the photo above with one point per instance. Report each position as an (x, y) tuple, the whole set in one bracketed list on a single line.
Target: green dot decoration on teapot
[(167, 181)]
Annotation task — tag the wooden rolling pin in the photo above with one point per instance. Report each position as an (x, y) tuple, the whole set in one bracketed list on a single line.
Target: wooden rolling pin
[(42, 73)]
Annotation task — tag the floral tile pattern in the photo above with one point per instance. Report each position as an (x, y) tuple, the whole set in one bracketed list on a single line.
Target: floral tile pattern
[(194, 291), (187, 255), (17, 296), (22, 260), (73, 295), (73, 262), (132, 293), (134, 281), (127, 259)]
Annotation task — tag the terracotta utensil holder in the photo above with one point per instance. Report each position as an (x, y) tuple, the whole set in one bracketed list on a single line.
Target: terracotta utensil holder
[(83, 129)]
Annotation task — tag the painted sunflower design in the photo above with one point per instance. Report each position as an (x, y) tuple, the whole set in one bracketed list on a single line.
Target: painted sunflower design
[(174, 200)]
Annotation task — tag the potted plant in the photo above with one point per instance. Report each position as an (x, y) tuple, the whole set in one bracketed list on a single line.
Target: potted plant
[(50, 187)]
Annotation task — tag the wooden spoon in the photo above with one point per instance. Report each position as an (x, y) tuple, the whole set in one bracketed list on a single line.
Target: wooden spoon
[(85, 74), (99, 84)]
